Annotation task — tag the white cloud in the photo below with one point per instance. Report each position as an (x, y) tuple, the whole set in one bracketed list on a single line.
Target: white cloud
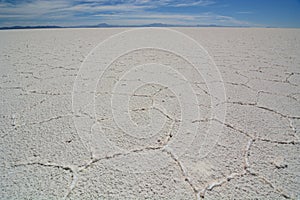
[(36, 8), (170, 18), (99, 8), (244, 12), (65, 12), (195, 3)]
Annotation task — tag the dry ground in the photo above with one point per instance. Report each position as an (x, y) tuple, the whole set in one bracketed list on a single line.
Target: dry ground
[(257, 156)]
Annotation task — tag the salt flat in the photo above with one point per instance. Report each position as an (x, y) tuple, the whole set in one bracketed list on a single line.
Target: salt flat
[(64, 138)]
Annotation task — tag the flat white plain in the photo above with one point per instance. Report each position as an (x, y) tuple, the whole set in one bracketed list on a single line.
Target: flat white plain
[(256, 156)]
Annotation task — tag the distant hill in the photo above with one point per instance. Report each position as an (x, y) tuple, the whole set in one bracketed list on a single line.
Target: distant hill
[(104, 25), (29, 27)]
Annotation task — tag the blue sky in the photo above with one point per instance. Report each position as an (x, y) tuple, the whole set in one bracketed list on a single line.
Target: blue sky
[(276, 13)]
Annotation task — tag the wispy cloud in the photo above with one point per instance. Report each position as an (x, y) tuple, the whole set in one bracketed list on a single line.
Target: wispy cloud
[(62, 12), (195, 3), (34, 8), (171, 18), (245, 12)]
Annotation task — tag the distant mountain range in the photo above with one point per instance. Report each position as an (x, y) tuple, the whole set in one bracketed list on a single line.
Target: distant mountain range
[(104, 25)]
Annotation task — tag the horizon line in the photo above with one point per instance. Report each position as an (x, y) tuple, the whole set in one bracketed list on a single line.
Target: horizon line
[(105, 25)]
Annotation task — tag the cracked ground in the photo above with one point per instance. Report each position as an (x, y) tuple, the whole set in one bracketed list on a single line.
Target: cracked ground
[(256, 156)]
